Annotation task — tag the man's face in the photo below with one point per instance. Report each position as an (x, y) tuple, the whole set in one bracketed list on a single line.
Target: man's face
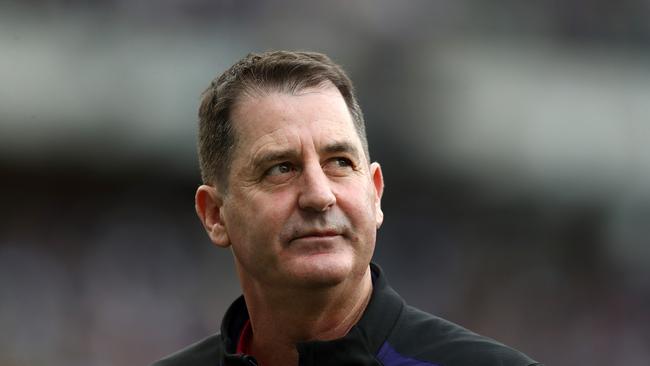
[(303, 203)]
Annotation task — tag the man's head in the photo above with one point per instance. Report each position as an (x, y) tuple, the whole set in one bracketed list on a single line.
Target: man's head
[(255, 74), (299, 202)]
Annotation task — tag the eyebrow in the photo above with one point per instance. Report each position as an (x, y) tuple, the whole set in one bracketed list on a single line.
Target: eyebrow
[(273, 156), (340, 147), (291, 154)]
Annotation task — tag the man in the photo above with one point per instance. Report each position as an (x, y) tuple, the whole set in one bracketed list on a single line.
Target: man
[(290, 189)]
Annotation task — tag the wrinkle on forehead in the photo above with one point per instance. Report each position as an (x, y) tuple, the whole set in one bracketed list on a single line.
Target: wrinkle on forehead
[(263, 96), (271, 142), (282, 122), (277, 105), (295, 142)]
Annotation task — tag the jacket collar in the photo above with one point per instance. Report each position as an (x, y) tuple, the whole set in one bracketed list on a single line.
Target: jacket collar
[(359, 346)]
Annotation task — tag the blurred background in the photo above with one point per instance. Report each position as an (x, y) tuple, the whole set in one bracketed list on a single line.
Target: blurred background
[(514, 136)]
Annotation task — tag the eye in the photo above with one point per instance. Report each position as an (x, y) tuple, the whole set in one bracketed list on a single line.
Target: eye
[(343, 162), (338, 165), (279, 169)]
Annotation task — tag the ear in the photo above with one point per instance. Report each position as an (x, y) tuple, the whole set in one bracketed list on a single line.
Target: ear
[(209, 203), (378, 183)]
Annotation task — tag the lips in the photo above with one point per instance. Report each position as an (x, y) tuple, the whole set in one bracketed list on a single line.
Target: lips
[(316, 234)]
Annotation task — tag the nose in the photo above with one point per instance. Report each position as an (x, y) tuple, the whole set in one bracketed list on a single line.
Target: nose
[(316, 192)]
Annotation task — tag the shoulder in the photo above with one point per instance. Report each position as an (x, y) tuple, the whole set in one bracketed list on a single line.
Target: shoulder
[(419, 336), (204, 352)]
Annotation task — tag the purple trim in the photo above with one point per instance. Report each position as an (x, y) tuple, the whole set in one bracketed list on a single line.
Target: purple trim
[(389, 357)]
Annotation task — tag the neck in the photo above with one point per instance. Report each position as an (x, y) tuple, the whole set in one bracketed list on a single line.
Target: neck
[(282, 318)]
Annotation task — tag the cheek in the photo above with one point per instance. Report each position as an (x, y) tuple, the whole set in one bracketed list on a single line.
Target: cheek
[(257, 218), (358, 202), (273, 208)]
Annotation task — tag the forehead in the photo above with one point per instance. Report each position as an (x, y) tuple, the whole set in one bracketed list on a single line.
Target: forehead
[(270, 119)]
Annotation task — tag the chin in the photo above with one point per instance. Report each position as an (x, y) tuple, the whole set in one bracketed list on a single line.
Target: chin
[(322, 270)]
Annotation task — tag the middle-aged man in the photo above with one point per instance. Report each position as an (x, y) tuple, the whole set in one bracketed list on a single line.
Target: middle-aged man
[(289, 187)]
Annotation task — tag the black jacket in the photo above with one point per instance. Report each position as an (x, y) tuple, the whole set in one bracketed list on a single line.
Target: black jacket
[(390, 333)]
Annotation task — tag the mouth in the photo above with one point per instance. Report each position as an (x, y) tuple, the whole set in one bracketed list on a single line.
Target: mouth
[(316, 234)]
